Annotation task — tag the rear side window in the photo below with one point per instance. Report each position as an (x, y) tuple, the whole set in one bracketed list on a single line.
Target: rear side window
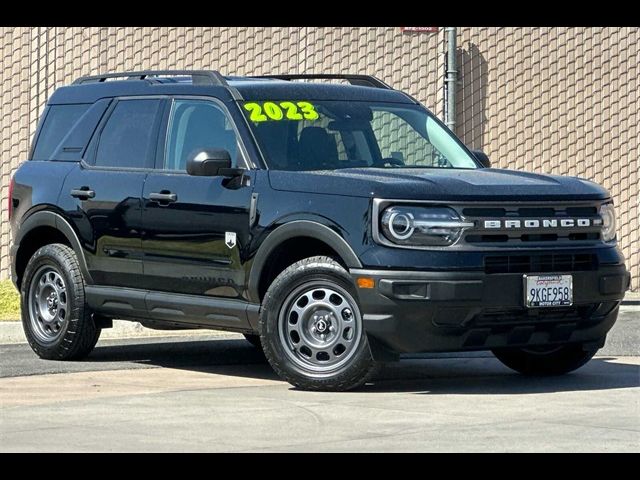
[(129, 137), (59, 121)]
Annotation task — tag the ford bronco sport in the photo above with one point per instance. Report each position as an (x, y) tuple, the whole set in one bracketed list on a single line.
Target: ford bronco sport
[(336, 226)]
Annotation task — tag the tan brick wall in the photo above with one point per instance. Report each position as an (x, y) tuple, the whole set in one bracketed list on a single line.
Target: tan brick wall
[(553, 100), (558, 100), (16, 118)]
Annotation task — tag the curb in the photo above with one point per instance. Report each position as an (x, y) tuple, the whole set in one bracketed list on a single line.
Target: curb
[(631, 298), (12, 332)]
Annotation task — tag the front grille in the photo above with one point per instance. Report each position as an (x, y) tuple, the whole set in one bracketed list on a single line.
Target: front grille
[(529, 238), (550, 263), (531, 224)]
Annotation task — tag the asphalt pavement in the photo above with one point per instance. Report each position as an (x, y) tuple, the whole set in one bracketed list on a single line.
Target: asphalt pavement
[(217, 393)]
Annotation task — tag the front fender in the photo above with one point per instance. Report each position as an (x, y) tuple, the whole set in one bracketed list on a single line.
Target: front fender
[(293, 229)]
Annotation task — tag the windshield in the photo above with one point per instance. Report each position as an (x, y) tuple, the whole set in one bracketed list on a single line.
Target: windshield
[(328, 135)]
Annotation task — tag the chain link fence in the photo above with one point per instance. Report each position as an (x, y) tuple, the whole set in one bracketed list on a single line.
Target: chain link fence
[(554, 100)]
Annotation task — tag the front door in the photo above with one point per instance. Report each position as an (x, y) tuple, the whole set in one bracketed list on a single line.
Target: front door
[(196, 229)]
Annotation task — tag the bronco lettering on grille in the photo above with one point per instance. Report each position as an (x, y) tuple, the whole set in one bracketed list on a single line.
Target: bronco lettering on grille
[(543, 223)]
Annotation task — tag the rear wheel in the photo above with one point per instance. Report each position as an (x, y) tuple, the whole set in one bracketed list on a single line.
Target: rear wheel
[(552, 360), (312, 330), (56, 321)]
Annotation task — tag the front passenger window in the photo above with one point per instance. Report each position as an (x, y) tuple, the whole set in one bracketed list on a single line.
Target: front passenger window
[(196, 125)]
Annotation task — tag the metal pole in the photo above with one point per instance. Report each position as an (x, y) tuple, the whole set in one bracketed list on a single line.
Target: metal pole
[(451, 78)]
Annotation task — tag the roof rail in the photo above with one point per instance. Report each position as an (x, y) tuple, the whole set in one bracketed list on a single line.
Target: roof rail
[(353, 79), (198, 77)]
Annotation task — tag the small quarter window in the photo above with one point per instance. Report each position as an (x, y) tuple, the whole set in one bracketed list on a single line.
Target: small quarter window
[(59, 121)]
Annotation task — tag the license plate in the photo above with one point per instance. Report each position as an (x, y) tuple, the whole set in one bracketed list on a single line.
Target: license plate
[(548, 291)]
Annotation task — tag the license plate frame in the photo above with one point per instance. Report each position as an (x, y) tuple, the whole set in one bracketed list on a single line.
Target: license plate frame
[(539, 290)]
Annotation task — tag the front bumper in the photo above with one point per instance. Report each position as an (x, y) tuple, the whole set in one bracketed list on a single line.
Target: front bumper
[(409, 311)]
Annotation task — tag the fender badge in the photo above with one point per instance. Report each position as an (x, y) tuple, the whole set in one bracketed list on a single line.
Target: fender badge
[(230, 239)]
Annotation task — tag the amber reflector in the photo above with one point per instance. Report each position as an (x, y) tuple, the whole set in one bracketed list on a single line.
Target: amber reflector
[(365, 282)]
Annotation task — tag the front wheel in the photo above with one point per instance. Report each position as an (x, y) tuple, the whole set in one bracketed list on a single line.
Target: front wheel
[(552, 360), (311, 327)]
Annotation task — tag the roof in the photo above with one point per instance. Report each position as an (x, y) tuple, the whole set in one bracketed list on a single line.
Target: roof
[(267, 89), (91, 89)]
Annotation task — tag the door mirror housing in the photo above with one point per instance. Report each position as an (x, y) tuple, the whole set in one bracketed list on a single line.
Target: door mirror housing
[(209, 162), (483, 158)]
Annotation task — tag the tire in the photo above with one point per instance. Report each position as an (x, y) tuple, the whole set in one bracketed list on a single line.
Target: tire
[(556, 360), (56, 320), (318, 343), (253, 340)]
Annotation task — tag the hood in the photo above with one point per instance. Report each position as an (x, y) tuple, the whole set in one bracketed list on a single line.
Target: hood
[(488, 184)]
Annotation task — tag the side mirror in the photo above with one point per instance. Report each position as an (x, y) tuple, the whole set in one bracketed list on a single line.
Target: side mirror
[(208, 162), (482, 157)]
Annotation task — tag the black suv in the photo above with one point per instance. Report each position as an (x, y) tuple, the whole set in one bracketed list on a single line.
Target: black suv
[(336, 226)]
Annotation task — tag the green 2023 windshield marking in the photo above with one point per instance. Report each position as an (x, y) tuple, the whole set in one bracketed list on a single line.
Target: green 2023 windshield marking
[(275, 111)]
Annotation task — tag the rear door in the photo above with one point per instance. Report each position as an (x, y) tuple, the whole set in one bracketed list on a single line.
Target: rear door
[(196, 229), (102, 196)]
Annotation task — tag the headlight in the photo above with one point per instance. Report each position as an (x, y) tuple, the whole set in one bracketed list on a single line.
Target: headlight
[(422, 226), (608, 215)]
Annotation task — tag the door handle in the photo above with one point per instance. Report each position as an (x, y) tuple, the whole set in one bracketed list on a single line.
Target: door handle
[(83, 193), (163, 197)]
